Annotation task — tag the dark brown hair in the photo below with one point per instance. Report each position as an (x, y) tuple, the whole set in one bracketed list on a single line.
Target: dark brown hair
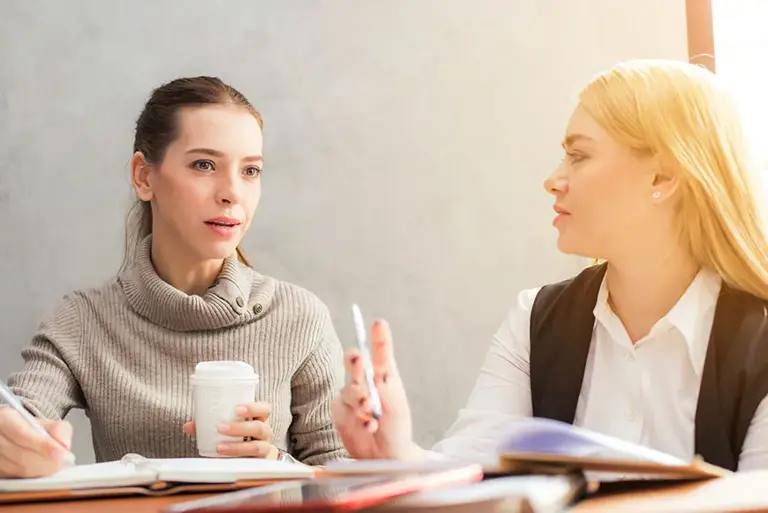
[(157, 128)]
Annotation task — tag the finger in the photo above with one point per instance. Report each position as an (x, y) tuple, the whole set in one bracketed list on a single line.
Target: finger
[(255, 449), (354, 395), (256, 410), (382, 351), (356, 399), (354, 434), (354, 364), (370, 425), (255, 429), (10, 458), (189, 428), (19, 433), (20, 462), (60, 430)]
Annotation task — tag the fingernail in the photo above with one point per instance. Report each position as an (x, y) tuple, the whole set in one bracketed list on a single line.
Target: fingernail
[(222, 448), (241, 410), (223, 427)]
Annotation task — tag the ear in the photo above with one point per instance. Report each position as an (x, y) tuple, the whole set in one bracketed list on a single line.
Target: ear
[(140, 176), (665, 183)]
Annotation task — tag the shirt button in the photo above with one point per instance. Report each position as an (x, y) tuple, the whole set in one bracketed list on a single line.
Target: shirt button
[(628, 357), (257, 308), (631, 415), (240, 301)]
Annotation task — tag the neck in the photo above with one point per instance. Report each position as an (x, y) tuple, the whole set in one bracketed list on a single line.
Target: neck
[(643, 287), (189, 275)]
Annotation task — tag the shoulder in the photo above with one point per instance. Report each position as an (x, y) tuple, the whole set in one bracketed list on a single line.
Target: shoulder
[(67, 323), (292, 308), (89, 301), (519, 316), (305, 323), (79, 301), (290, 300)]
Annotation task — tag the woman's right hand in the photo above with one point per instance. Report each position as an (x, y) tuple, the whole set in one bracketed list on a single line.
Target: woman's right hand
[(389, 437), (26, 453)]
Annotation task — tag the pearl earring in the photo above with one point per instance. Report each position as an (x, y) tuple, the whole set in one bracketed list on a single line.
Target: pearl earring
[(656, 195)]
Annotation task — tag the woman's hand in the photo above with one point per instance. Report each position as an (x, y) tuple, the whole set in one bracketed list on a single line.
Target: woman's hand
[(26, 453), (364, 437), (252, 426)]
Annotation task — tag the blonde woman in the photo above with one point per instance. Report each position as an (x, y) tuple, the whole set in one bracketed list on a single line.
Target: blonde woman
[(665, 344)]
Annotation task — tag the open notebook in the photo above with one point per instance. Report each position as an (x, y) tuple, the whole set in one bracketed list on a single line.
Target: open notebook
[(539, 445), (135, 474)]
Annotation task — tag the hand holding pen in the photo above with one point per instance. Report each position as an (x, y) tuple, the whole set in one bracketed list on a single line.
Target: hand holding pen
[(30, 447), (372, 414)]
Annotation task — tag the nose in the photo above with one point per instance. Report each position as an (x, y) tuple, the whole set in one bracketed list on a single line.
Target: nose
[(556, 183), (228, 190)]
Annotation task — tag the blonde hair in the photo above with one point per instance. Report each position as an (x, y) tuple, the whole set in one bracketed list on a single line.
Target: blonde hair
[(680, 114)]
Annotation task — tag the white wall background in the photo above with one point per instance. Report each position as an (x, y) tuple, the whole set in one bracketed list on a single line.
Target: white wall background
[(406, 143)]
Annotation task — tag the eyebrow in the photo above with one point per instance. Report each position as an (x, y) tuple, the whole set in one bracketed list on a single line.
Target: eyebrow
[(572, 138), (218, 154)]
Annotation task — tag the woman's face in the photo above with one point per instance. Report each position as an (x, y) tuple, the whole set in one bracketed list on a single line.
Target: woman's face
[(604, 192), (207, 187)]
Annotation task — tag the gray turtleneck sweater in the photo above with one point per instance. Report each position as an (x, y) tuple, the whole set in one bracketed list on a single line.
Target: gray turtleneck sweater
[(124, 353)]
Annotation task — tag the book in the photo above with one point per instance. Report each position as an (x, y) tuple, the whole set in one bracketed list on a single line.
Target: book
[(537, 445), (134, 474), (391, 467), (542, 494)]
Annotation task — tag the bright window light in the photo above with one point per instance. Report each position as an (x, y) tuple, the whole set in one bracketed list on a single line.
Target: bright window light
[(741, 59)]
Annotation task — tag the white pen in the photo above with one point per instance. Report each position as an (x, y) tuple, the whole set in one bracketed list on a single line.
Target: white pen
[(13, 401), (365, 354)]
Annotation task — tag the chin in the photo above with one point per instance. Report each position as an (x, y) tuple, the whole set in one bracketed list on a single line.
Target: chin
[(218, 251), (571, 247)]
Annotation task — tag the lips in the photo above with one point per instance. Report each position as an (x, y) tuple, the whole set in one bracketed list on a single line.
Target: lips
[(225, 222)]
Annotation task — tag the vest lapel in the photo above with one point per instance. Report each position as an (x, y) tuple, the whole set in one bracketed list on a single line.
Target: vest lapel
[(562, 322), (736, 331)]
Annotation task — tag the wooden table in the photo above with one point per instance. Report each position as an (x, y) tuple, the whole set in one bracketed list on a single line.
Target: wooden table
[(742, 492), (111, 505)]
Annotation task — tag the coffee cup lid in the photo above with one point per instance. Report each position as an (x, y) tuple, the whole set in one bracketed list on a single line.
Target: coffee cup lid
[(223, 369)]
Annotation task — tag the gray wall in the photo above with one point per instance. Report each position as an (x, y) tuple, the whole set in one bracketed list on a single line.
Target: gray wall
[(406, 143)]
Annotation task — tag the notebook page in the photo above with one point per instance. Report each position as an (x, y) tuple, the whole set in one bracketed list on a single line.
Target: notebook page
[(545, 436), (226, 470), (97, 475)]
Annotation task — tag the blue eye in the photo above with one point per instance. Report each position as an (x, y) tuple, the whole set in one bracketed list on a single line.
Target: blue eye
[(203, 165)]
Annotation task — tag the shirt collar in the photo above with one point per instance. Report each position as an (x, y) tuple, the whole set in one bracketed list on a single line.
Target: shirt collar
[(692, 315)]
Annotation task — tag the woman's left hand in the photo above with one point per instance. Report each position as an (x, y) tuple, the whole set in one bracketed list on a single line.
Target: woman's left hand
[(253, 426)]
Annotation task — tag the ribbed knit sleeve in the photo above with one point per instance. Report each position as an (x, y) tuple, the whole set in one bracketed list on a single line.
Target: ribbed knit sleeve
[(320, 377), (46, 383)]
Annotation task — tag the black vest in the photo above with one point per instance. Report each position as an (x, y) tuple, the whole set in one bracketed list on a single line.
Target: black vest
[(734, 380)]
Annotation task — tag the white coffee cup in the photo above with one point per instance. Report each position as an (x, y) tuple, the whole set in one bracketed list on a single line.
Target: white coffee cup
[(218, 388)]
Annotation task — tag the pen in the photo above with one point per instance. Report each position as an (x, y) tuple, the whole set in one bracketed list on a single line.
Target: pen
[(361, 335), (10, 398)]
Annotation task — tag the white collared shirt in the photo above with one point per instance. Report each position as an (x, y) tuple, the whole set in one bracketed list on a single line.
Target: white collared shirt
[(644, 393)]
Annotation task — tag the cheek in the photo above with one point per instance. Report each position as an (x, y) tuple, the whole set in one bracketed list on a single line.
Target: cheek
[(597, 200), (178, 192), (252, 197)]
